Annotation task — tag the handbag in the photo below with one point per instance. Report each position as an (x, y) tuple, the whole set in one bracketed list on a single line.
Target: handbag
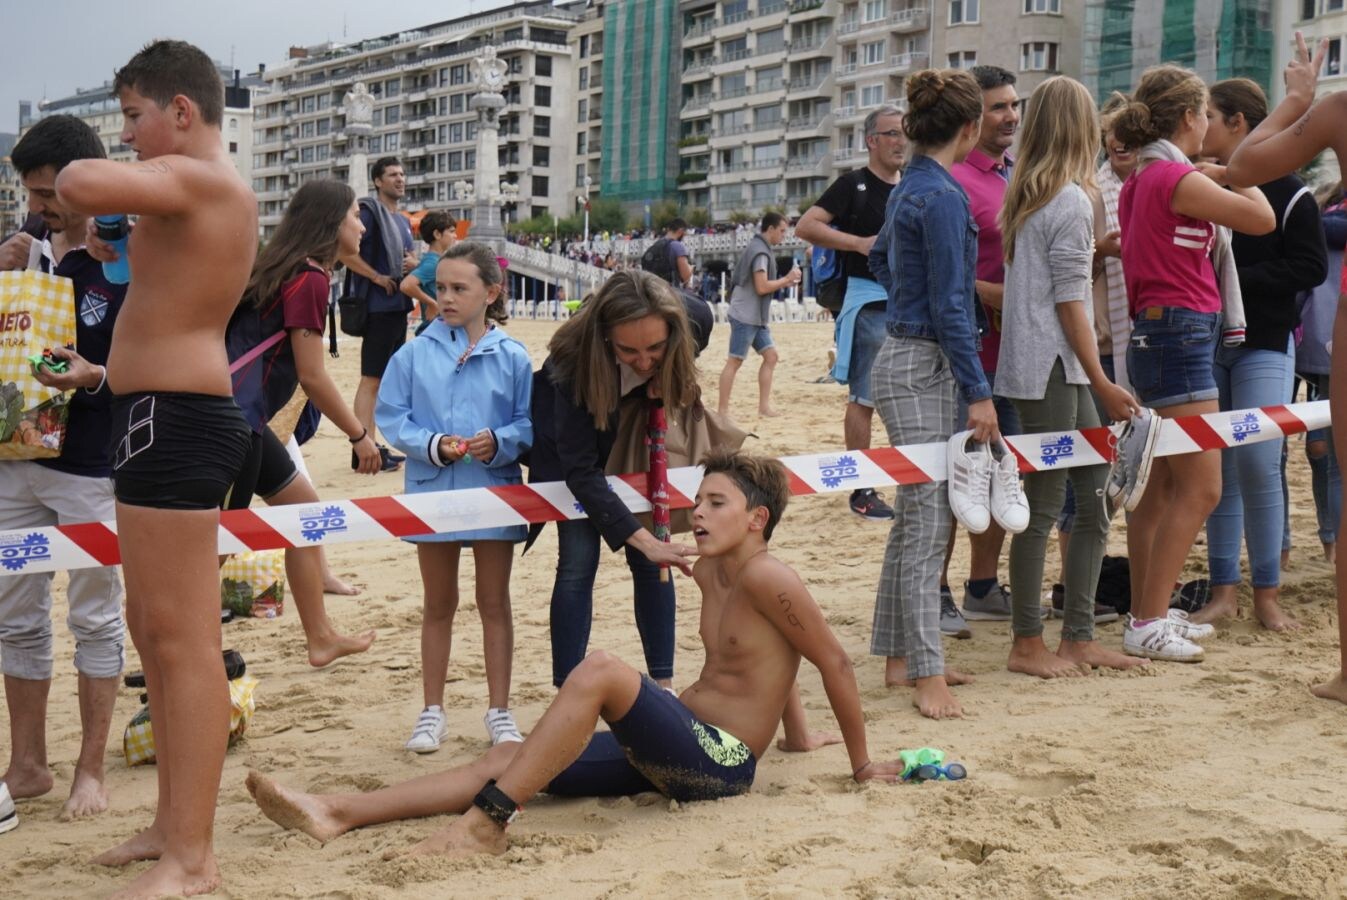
[(692, 432), (354, 313), (37, 311)]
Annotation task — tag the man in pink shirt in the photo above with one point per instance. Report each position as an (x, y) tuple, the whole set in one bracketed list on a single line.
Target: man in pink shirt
[(984, 175)]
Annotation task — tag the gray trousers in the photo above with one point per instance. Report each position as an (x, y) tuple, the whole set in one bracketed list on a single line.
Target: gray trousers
[(914, 392), (1065, 406), (32, 496)]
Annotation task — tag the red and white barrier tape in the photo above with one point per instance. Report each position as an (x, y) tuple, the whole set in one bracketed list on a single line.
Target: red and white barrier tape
[(92, 544)]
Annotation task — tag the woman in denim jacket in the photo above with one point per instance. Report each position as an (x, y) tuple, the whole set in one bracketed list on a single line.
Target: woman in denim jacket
[(925, 257)]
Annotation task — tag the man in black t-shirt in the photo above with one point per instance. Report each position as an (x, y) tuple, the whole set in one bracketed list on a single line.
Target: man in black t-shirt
[(847, 218)]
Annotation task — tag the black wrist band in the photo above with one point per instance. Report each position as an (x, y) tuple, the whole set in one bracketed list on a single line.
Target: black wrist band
[(363, 434), (497, 805)]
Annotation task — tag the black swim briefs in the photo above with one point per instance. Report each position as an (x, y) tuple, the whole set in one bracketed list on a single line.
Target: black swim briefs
[(266, 470), (659, 745), (175, 450)]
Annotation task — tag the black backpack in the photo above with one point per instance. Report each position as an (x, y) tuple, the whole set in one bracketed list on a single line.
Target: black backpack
[(656, 260)]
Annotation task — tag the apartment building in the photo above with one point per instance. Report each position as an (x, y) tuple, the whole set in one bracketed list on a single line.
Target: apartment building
[(587, 95), (1317, 20), (421, 81), (1035, 39)]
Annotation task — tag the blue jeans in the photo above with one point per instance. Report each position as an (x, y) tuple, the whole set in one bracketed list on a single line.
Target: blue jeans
[(742, 336), (1251, 485), (573, 602), (1325, 477)]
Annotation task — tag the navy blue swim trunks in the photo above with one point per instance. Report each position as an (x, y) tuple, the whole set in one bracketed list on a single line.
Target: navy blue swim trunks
[(659, 745)]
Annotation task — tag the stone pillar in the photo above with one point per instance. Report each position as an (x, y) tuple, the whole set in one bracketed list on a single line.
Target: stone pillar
[(358, 106)]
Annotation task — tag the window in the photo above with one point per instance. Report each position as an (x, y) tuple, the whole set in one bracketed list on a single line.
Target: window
[(234, 147), (732, 122), (306, 130), (580, 142), (767, 116), (458, 75), (392, 86), (377, 117), (773, 41), (306, 155), (542, 156), (1038, 56), (581, 110), (324, 101), (455, 161), (324, 126), (542, 64), (766, 154), (963, 12), (390, 142), (1332, 5), (764, 192), (456, 104), (872, 95), (872, 53), (874, 10), (768, 79), (470, 131), (392, 115), (542, 126), (584, 78), (584, 46), (516, 64), (456, 133), (470, 159), (733, 193), (964, 60), (321, 152), (733, 85), (734, 49), (308, 104), (1333, 61), (1042, 6), (233, 124), (539, 185), (542, 95)]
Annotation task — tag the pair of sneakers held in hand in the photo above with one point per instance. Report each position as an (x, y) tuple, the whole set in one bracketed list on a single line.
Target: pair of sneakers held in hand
[(984, 485)]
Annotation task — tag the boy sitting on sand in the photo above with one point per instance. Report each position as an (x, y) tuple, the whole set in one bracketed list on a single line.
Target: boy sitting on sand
[(757, 620)]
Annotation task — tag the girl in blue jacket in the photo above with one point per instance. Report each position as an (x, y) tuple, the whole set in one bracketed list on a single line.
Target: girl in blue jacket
[(456, 401)]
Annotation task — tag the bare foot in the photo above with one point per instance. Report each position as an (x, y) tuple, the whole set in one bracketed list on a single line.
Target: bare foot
[(26, 783), (1092, 654), (1286, 559), (334, 585), (1273, 617), (811, 741), (895, 674), (1032, 657), (933, 699), (469, 835), (1331, 552), (325, 652), (148, 844), (1333, 689), (769, 413), (1215, 611), (294, 810), (169, 878), (88, 797)]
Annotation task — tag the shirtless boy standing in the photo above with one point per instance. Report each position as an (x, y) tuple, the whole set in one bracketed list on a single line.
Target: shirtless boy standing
[(757, 620), (178, 437)]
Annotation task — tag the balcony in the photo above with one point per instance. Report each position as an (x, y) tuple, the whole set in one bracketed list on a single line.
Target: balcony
[(857, 25), (735, 18), (805, 163), (699, 101), (848, 72), (813, 8), (415, 124), (693, 176), (699, 68), (769, 86), (902, 63), (276, 168), (698, 31), (806, 83), (771, 7), (806, 45), (735, 56), (806, 123), (418, 95), (915, 19)]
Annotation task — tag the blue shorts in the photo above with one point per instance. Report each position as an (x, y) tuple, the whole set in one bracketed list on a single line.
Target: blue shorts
[(866, 339), (1171, 354), (659, 745), (742, 336)]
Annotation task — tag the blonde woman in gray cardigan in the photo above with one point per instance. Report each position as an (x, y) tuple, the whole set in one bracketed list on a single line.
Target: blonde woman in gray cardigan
[(1050, 362)]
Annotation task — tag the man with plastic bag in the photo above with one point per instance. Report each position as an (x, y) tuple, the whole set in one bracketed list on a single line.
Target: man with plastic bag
[(75, 486)]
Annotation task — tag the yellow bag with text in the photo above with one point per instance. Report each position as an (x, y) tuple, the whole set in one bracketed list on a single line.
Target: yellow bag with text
[(252, 584), (37, 312), (138, 741)]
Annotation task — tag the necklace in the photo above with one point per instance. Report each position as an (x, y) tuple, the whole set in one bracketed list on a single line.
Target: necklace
[(472, 345)]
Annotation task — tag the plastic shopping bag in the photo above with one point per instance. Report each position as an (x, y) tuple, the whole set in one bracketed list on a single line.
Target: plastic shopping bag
[(37, 312)]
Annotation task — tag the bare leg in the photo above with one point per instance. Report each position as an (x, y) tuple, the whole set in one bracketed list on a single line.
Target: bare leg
[(1094, 654), (1030, 656), (88, 795), (326, 816), (1222, 605), (1336, 687), (304, 572), (600, 687), (494, 560), (858, 426), (895, 674), (331, 583), (1269, 611), (727, 375), (366, 392), (172, 582), (986, 553), (769, 360), (27, 774), (439, 576), (933, 699), (1142, 525)]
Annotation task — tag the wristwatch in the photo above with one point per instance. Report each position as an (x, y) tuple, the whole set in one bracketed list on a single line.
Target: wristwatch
[(497, 804)]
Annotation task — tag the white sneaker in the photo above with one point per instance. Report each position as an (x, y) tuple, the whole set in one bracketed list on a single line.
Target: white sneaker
[(1159, 639), (1008, 506), (1190, 630), (970, 475), (9, 818), (430, 731), (501, 727)]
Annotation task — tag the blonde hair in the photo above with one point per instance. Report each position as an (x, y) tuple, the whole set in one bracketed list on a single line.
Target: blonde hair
[(1057, 147), (583, 360)]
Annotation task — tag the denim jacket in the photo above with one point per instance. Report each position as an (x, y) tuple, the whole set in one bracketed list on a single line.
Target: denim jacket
[(925, 257)]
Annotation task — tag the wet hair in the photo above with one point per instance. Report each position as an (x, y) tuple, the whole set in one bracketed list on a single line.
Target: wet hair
[(992, 77), (1057, 148), (55, 141), (762, 480), (488, 268), (1240, 95), (582, 357), (166, 69), (939, 103), (433, 221), (1157, 106), (308, 230), (384, 162), (771, 219)]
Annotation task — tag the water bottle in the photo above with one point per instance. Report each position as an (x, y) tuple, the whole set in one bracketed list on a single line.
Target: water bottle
[(113, 230)]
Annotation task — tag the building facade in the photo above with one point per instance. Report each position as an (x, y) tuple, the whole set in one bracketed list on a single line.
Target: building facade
[(421, 81), (1316, 20), (1035, 39)]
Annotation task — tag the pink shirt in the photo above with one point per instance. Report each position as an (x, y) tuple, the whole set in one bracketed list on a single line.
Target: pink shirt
[(984, 180), (1166, 257)]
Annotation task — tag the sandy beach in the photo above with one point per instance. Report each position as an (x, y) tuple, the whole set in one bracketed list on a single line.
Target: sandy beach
[(1222, 779)]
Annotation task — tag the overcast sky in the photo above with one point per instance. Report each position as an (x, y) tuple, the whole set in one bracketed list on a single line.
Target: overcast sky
[(55, 46)]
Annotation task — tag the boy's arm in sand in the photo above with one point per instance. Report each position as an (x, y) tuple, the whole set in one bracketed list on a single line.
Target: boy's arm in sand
[(780, 597), (799, 739), (163, 186)]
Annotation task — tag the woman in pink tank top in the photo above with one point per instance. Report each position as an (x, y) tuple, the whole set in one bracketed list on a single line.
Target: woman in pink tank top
[(1166, 211)]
